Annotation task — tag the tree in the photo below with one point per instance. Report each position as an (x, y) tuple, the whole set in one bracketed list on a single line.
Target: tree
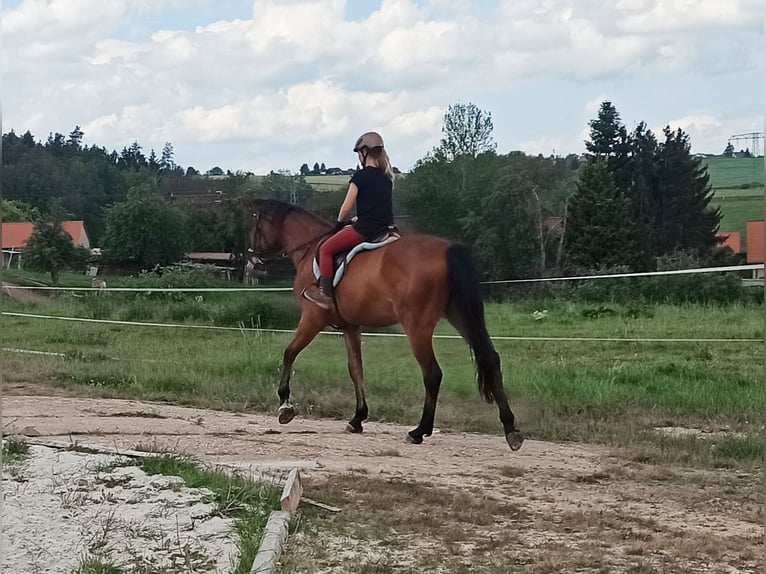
[(729, 150), (166, 159), (609, 139), (503, 225), (322, 168), (304, 171), (284, 187), (50, 249), (315, 171), (144, 230), (683, 218), (599, 231), (75, 138), (18, 211), (467, 131)]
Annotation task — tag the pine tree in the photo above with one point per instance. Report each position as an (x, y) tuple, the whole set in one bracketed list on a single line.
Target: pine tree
[(599, 229), (683, 218), (609, 139)]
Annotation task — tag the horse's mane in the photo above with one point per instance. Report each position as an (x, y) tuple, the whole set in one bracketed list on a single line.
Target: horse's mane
[(276, 211)]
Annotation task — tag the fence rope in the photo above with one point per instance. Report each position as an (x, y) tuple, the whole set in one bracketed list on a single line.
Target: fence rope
[(394, 335), (728, 268), (724, 269)]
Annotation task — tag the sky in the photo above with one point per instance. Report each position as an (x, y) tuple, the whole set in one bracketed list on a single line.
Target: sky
[(266, 85)]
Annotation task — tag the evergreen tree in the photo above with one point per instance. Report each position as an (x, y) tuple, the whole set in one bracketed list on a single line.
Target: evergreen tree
[(729, 150), (599, 229), (684, 219), (609, 139), (166, 160)]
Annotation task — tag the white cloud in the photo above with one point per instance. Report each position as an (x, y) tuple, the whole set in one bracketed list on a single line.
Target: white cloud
[(298, 73)]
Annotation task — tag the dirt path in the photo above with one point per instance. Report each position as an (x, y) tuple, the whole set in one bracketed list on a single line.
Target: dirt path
[(572, 495)]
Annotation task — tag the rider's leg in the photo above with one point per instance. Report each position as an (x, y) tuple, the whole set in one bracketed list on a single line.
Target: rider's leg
[(347, 238)]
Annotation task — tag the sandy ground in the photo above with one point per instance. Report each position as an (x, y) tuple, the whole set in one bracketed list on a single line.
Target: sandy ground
[(715, 509), (61, 508)]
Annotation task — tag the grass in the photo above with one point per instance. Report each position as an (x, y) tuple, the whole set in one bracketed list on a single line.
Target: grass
[(608, 392), (739, 191), (248, 501), (737, 210), (96, 566), (14, 451), (734, 172)]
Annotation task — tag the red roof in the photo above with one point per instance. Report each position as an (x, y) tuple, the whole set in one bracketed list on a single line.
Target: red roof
[(16, 235), (731, 239), (755, 242)]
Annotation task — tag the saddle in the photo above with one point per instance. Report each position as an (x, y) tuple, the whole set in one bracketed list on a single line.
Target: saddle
[(342, 259)]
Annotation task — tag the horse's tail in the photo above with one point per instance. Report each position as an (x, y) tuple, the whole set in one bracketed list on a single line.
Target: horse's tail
[(466, 313)]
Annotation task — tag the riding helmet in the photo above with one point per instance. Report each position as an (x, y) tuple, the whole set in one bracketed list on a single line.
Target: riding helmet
[(368, 140)]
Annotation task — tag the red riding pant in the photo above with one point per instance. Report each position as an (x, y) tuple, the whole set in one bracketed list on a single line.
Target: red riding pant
[(347, 238)]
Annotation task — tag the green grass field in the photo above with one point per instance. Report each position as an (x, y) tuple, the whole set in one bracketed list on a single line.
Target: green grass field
[(610, 392), (738, 205), (734, 172)]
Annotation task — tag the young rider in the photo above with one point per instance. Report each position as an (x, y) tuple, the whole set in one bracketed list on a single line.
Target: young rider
[(370, 189)]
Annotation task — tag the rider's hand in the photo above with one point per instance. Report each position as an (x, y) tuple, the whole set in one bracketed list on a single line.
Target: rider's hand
[(339, 225)]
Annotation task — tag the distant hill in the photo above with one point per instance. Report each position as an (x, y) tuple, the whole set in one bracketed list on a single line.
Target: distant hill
[(735, 172)]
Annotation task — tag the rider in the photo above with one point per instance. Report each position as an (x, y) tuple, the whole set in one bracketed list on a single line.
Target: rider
[(370, 189)]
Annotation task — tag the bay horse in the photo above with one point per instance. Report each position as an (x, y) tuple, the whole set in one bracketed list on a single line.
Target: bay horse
[(414, 281)]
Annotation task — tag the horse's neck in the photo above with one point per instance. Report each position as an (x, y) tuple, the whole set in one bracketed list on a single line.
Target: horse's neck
[(300, 234)]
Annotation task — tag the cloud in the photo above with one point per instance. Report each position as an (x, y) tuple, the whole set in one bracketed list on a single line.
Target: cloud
[(297, 73)]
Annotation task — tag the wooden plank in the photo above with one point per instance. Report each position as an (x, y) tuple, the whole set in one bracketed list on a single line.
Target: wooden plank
[(292, 492), (95, 449), (320, 505), (274, 537)]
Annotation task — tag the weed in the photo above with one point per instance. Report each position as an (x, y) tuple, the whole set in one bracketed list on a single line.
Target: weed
[(14, 451), (96, 566)]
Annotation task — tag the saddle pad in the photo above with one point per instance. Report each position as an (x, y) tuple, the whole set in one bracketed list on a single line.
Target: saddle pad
[(343, 259)]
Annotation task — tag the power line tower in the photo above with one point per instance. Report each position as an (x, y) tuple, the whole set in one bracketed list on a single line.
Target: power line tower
[(753, 137)]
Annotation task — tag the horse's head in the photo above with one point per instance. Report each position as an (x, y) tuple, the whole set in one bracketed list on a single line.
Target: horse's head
[(265, 229)]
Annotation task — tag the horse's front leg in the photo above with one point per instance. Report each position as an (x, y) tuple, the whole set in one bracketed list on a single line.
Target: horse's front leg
[(353, 339), (308, 328)]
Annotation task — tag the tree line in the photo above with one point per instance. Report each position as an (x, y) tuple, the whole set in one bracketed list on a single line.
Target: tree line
[(631, 199)]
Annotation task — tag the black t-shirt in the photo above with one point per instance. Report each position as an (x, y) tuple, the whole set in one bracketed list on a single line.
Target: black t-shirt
[(374, 208)]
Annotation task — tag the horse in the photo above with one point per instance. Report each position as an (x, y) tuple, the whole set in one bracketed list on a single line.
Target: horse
[(414, 282), (97, 283)]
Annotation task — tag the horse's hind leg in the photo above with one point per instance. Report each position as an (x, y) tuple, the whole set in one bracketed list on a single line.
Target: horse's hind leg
[(304, 334), (354, 351), (422, 348)]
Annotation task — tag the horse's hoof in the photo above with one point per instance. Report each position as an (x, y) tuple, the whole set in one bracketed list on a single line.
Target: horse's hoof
[(514, 439), (350, 428), (414, 439), (285, 414)]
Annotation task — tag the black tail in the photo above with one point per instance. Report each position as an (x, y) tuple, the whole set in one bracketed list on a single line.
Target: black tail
[(468, 308)]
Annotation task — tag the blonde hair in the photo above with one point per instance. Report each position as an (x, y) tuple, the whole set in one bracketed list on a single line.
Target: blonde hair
[(382, 160)]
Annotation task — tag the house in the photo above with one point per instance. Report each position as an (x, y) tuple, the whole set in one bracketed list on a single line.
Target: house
[(730, 239), (16, 235), (755, 246)]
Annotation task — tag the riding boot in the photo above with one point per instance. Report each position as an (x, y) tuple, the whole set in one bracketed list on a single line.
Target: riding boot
[(323, 296)]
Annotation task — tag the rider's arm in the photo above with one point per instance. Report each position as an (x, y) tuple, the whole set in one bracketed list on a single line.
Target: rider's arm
[(348, 203)]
